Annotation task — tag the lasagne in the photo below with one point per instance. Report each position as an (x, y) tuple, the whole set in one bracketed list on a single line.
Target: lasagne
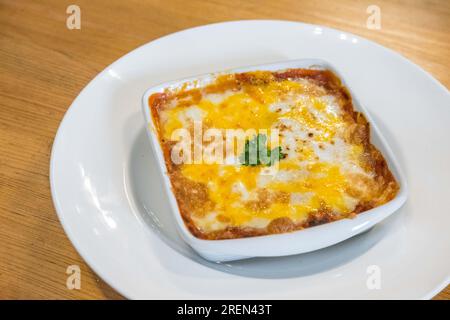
[(314, 162)]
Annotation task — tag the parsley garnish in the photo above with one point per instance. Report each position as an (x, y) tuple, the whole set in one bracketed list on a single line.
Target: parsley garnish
[(256, 152)]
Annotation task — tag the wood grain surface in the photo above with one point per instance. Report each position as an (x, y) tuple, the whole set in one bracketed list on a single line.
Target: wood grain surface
[(44, 65)]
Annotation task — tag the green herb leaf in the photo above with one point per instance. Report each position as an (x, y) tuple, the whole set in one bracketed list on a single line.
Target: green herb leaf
[(256, 152)]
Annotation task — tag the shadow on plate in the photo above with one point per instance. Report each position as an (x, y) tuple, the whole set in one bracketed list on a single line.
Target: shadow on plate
[(149, 196)]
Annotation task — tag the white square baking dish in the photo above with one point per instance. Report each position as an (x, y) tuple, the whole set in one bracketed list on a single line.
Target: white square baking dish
[(283, 244)]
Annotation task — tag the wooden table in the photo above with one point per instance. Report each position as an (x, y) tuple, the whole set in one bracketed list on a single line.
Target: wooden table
[(44, 65)]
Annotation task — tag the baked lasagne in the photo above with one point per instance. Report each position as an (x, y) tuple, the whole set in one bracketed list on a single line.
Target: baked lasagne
[(321, 168)]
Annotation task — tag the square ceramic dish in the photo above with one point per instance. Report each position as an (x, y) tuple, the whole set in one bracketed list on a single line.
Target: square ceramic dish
[(301, 241)]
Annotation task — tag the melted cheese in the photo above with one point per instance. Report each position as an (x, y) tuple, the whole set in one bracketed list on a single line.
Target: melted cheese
[(315, 173)]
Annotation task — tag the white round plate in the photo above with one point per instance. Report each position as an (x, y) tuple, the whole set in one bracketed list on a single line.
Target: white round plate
[(110, 200)]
